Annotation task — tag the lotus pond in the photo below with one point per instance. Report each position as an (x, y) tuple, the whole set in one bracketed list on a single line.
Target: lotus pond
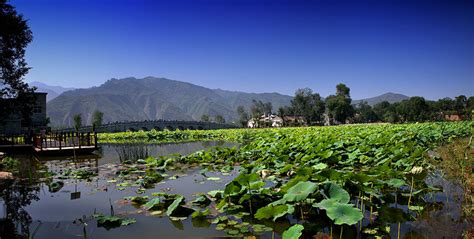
[(357, 181)]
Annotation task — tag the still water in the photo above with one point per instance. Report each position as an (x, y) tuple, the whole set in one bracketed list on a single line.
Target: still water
[(46, 214), (39, 212)]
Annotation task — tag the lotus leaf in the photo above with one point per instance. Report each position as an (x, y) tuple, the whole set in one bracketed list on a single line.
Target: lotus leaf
[(320, 166), (271, 211), (201, 214), (201, 200), (233, 188), (138, 199), (55, 186), (216, 193), (293, 182), (153, 203), (344, 214), (325, 204), (174, 205), (294, 232), (395, 182), (246, 179), (109, 222), (300, 191), (213, 178), (337, 193)]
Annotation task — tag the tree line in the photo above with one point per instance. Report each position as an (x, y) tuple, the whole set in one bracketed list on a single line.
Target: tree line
[(415, 109), (338, 109), (218, 119)]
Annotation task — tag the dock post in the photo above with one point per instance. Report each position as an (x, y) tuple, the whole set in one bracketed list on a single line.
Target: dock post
[(60, 140), (95, 139)]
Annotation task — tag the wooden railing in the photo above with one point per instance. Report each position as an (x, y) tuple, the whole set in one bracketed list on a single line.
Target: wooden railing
[(12, 140), (65, 139)]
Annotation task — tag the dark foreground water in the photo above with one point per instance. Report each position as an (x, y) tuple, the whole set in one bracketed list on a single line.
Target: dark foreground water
[(37, 211)]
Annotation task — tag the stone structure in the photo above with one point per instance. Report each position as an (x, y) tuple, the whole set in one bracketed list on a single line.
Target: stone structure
[(152, 124)]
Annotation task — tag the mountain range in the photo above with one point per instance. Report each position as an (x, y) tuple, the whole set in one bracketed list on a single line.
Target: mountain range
[(152, 98), (53, 91), (390, 97)]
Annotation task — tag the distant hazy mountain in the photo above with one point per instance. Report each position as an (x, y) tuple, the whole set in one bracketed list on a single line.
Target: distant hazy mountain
[(152, 98), (390, 97), (159, 98), (53, 91)]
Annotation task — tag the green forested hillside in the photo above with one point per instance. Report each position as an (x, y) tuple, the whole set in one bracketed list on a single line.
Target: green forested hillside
[(152, 98)]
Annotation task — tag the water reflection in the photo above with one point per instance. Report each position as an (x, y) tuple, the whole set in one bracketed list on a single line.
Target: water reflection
[(15, 223), (66, 205), (131, 152), (116, 153), (65, 212)]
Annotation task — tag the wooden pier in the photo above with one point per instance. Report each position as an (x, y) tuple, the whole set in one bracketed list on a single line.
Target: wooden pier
[(55, 143)]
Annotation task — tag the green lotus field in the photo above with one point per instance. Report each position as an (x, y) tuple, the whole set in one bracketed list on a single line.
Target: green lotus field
[(362, 180)]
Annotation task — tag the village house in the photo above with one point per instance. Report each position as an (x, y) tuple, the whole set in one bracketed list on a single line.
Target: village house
[(452, 117), (294, 120), (14, 123), (266, 121)]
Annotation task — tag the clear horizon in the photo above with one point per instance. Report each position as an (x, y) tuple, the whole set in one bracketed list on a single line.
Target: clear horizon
[(422, 48)]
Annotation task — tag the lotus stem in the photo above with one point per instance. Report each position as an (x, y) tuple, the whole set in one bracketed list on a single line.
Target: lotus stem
[(362, 210), (250, 204), (112, 213), (301, 211), (370, 216), (84, 231), (396, 203), (370, 200), (411, 191), (398, 230), (358, 199), (447, 198), (250, 201)]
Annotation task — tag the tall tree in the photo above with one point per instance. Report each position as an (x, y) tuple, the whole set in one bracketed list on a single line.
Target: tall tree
[(243, 115), (97, 118), (470, 107), (205, 118), (15, 35), (365, 113), (445, 105), (342, 90), (283, 111), (77, 118), (267, 108), (339, 106), (308, 104), (414, 109), (219, 119), (460, 103), (260, 108), (386, 112)]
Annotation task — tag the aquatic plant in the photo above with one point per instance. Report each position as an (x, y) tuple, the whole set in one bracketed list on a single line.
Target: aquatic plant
[(336, 174)]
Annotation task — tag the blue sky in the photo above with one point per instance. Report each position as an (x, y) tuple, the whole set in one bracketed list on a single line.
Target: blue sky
[(423, 47)]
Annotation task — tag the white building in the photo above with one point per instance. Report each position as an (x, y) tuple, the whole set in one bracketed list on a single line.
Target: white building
[(266, 121)]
